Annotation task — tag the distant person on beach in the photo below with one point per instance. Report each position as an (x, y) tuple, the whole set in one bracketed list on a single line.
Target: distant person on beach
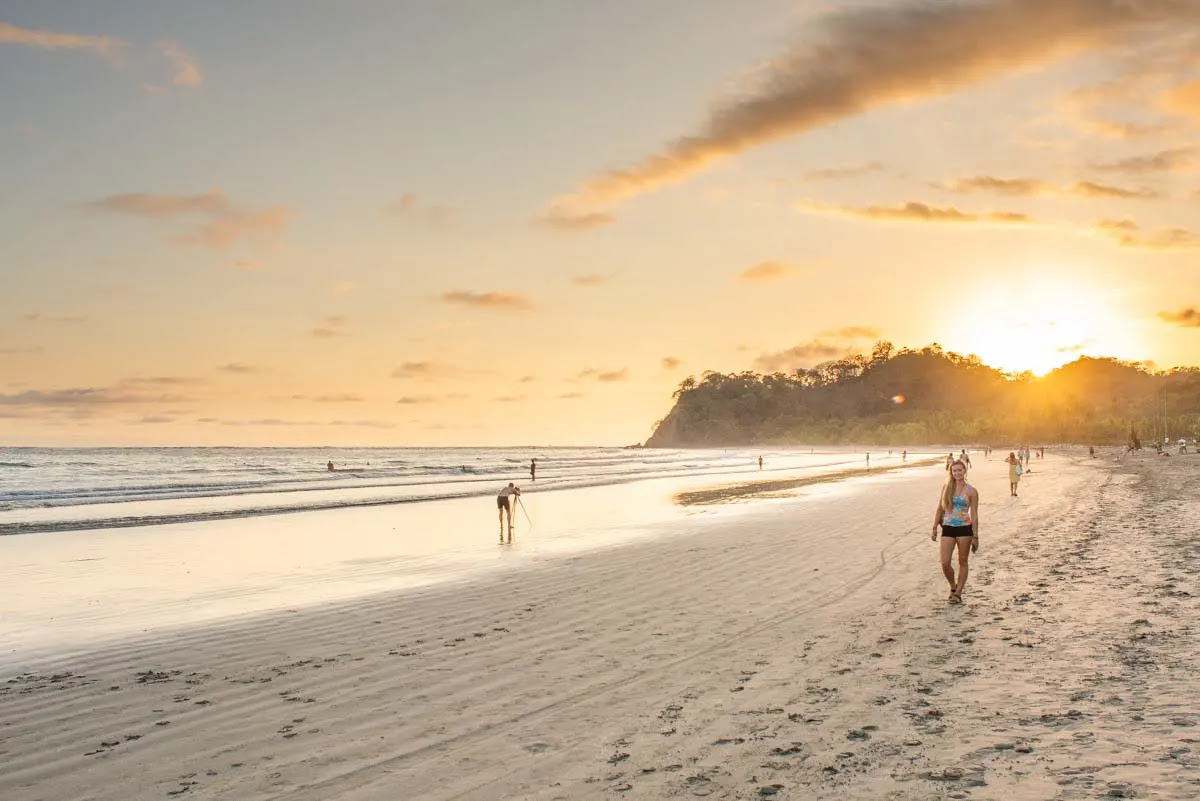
[(958, 514), (760, 463), (904, 455), (949, 461), (962, 457), (504, 505), (1092, 451), (329, 466), (533, 469), (868, 461), (1014, 472)]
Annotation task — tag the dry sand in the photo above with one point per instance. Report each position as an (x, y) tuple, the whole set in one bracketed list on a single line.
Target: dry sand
[(805, 652)]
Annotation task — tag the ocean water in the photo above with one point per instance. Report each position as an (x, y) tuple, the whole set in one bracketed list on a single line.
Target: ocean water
[(61, 489)]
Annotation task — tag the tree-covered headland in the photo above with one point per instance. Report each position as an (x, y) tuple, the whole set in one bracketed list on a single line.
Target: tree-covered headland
[(928, 396)]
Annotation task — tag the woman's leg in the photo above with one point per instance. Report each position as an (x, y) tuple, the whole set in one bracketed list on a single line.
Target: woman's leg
[(964, 553), (946, 551)]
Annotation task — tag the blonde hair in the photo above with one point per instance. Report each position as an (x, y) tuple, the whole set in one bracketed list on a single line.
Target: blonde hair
[(948, 490)]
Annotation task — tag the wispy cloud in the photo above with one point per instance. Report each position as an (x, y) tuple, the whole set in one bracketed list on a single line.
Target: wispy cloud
[(185, 70), (606, 376), (571, 395), (670, 363), (1031, 187), (1188, 318), (527, 379), (841, 173), (38, 317), (416, 399), (240, 368), (565, 220), (767, 271), (509, 398), (226, 223), (593, 279), (343, 287), (342, 398), (867, 57), (83, 397), (411, 207), (423, 370), (332, 327), (51, 40), (916, 212), (1175, 160), (803, 355), (852, 332), (504, 301), (1183, 100), (1129, 234)]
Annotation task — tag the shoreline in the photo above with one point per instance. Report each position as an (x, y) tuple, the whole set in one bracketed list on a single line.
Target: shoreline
[(798, 648)]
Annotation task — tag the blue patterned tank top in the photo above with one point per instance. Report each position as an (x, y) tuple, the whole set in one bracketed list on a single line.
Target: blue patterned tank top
[(959, 513)]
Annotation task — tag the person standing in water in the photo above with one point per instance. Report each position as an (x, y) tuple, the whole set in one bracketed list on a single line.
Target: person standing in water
[(958, 514), (504, 505), (533, 469), (760, 463)]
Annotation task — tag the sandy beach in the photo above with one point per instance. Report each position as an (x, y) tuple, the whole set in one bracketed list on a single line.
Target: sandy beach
[(801, 649)]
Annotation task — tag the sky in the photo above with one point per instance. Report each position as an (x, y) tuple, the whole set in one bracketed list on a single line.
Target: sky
[(476, 223)]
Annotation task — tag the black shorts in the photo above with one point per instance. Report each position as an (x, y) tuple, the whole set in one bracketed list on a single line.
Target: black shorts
[(501, 501), (954, 532)]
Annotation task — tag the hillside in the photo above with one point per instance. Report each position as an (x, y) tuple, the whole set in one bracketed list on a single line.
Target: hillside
[(913, 397)]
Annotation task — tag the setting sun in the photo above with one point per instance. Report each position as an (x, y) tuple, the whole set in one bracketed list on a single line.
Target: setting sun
[(1040, 324)]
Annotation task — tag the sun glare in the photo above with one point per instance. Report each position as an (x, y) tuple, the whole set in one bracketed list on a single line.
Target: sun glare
[(1039, 326)]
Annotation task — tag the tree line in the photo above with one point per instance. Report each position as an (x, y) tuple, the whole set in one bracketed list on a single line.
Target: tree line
[(928, 396)]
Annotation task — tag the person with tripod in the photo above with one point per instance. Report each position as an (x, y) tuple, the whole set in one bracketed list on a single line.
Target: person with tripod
[(504, 505)]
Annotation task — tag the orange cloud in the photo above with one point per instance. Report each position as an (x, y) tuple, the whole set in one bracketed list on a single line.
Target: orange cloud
[(592, 279), (670, 363), (839, 173), (1176, 160), (227, 223), (344, 398), (1183, 100), (422, 370), (916, 212), (415, 399), (607, 376), (240, 368), (249, 265), (342, 287), (185, 70), (1029, 187), (49, 40), (411, 207), (1127, 233), (506, 301), (575, 221), (332, 327), (853, 332), (225, 231), (877, 56), (141, 204), (803, 355), (1188, 318), (767, 271)]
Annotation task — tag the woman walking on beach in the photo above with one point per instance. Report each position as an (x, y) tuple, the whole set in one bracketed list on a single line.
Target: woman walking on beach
[(958, 514), (1014, 472)]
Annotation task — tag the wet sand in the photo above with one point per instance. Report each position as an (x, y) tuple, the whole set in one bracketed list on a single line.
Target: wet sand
[(803, 649)]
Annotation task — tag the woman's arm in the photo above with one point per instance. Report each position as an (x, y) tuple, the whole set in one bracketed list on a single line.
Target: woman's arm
[(937, 518), (974, 519)]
